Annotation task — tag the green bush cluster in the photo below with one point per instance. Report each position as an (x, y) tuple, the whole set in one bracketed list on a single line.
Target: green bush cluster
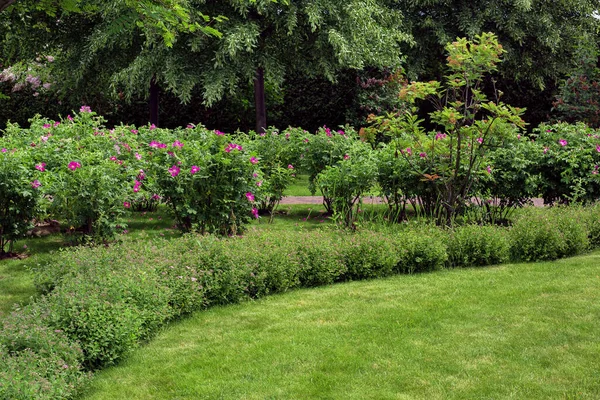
[(100, 303)]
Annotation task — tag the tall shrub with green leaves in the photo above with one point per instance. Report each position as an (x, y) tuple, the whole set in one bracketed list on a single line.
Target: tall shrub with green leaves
[(450, 160), (20, 195)]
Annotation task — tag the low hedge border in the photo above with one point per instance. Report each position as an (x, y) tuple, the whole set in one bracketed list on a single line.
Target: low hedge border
[(100, 303)]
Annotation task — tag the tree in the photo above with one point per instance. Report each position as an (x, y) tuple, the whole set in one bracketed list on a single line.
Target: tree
[(263, 41), (94, 41), (538, 36)]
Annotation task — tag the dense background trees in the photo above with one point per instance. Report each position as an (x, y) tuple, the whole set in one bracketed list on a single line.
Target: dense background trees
[(315, 56)]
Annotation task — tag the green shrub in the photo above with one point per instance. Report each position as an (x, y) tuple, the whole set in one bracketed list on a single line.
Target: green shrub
[(421, 251), (320, 261), (477, 245), (36, 361), (369, 255), (593, 225), (548, 234)]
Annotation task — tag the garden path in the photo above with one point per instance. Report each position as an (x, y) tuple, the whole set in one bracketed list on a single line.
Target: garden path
[(369, 200)]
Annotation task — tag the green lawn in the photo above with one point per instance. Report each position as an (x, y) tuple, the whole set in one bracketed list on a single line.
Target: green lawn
[(522, 331)]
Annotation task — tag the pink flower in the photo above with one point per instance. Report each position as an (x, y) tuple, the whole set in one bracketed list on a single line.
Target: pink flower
[(36, 184), (56, 123), (250, 196), (232, 146), (480, 140), (219, 133), (341, 132), (69, 118), (41, 167), (126, 204), (155, 197), (152, 127), (255, 212), (4, 150), (255, 175), (598, 148), (157, 145), (177, 143), (306, 140), (518, 137), (113, 158), (174, 170), (194, 169), (190, 126), (290, 166), (422, 154), (85, 109), (440, 136), (253, 160), (408, 151), (489, 169), (170, 153), (136, 186), (138, 156), (134, 131), (327, 131), (73, 165), (259, 183), (47, 126), (545, 150), (562, 142), (44, 139), (346, 157)]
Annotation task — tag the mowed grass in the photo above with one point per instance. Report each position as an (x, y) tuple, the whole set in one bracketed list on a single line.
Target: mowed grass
[(518, 331)]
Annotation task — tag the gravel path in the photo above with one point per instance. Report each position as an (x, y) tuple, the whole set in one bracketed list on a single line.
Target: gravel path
[(367, 200)]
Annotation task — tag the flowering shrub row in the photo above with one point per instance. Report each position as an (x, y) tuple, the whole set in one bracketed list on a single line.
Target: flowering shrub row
[(99, 302)]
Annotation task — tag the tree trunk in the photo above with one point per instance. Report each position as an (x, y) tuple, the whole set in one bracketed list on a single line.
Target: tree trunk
[(5, 3), (259, 101), (153, 102)]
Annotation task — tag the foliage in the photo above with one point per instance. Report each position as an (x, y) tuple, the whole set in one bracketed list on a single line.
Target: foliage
[(478, 245), (38, 362), (325, 148), (277, 154), (539, 38), (558, 232), (346, 182), (568, 163), (19, 195), (577, 99), (450, 161)]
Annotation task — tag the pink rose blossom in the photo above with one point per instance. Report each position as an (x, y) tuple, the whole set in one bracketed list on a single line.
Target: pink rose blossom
[(177, 143), (422, 154), (194, 169), (138, 156), (152, 127), (174, 170), (73, 165), (255, 212), (480, 140), (4, 150), (85, 109), (126, 204), (69, 118), (36, 184), (41, 167), (489, 169), (250, 196), (290, 166), (562, 142), (136, 186), (346, 157), (253, 160), (259, 183)]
